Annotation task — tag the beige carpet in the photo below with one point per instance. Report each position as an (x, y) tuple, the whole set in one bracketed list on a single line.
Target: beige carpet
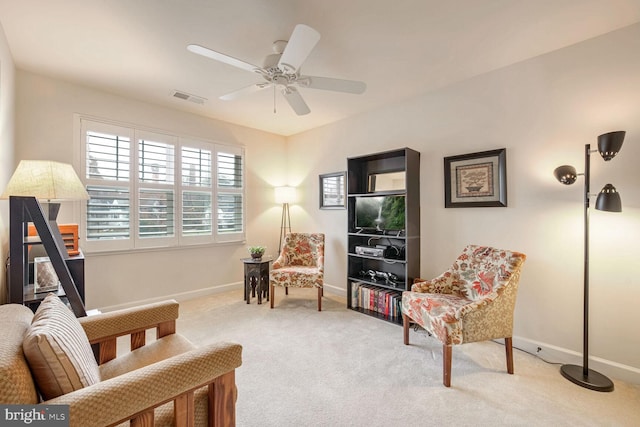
[(337, 367)]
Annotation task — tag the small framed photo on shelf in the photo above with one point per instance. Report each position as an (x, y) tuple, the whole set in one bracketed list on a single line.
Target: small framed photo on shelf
[(386, 181), (476, 180), (45, 278), (333, 190)]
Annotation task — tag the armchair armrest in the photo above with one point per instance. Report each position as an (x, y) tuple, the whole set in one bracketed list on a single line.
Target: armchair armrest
[(126, 321), (280, 262), (440, 285), (103, 329), (137, 393)]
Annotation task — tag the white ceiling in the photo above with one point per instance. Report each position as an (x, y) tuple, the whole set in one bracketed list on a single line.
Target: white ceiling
[(399, 48)]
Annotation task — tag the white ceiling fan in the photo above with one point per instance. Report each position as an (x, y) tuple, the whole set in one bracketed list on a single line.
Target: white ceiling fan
[(282, 70)]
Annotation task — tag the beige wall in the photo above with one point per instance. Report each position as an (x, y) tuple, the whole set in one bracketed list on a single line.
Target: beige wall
[(45, 130), (7, 110), (543, 111)]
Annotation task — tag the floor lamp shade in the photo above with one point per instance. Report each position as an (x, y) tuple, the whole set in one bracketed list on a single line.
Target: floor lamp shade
[(285, 195), (609, 199), (566, 174), (609, 144)]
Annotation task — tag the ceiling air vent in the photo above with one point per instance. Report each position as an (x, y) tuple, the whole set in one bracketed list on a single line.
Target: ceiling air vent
[(189, 97)]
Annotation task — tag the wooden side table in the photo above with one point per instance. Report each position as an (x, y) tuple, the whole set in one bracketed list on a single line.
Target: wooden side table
[(256, 275)]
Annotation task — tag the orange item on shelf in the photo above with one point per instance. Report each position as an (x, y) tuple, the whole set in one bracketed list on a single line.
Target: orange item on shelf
[(69, 234)]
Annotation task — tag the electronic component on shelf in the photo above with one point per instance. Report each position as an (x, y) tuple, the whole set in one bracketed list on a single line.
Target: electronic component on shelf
[(374, 275), (370, 251)]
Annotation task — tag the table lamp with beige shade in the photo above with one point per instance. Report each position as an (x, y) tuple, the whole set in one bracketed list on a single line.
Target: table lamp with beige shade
[(50, 183)]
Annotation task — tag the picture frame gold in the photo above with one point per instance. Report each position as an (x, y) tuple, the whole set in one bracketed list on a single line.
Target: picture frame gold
[(476, 179)]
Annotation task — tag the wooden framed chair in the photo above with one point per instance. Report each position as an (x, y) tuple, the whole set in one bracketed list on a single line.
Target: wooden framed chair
[(300, 264), (47, 358), (471, 301)]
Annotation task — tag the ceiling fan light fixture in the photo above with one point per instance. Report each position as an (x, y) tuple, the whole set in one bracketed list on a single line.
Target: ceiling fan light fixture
[(282, 69)]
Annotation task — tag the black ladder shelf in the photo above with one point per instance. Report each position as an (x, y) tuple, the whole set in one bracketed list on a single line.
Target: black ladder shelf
[(23, 210)]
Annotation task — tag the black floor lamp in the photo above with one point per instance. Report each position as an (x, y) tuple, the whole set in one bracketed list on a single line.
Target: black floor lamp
[(609, 145)]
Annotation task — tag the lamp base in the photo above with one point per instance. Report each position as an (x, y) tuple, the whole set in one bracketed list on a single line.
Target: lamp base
[(593, 380)]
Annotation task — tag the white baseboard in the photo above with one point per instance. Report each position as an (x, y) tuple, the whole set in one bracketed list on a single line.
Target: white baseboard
[(551, 353), (335, 290), (182, 296)]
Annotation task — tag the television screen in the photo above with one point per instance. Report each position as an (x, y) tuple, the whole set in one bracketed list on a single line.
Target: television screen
[(381, 213)]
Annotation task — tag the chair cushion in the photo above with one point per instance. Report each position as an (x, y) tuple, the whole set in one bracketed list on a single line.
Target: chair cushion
[(156, 351), (58, 351), (16, 383), (296, 277), (440, 314)]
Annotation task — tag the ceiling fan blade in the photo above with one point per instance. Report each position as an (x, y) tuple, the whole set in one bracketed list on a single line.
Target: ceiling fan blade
[(301, 43), (336, 85), (244, 91), (294, 99), (230, 60)]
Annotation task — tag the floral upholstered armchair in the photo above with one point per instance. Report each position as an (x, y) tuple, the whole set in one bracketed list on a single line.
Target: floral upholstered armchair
[(471, 301), (300, 264)]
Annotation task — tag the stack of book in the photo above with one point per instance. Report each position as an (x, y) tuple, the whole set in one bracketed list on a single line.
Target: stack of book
[(384, 302)]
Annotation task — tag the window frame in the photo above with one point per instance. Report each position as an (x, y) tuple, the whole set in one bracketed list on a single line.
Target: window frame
[(135, 242)]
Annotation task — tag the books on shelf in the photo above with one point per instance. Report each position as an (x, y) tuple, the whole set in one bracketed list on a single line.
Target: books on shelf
[(384, 302)]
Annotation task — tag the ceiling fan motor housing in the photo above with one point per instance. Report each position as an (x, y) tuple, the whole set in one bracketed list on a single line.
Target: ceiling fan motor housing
[(271, 61)]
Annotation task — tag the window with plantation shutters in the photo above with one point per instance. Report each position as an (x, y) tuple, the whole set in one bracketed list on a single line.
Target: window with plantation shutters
[(197, 202), (230, 218), (107, 213), (156, 204), (153, 190), (107, 166)]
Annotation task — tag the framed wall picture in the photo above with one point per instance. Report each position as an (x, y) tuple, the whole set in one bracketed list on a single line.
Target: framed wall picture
[(476, 180), (45, 278), (333, 190)]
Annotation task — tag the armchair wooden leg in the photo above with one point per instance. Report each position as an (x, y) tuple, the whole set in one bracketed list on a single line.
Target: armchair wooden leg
[(273, 294), (508, 345), (446, 365), (222, 400), (145, 419), (405, 328), (184, 410), (319, 299)]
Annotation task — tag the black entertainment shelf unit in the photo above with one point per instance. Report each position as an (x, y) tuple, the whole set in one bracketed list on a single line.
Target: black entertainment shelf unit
[(383, 207)]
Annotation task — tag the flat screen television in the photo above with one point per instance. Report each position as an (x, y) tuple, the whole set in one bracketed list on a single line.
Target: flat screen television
[(380, 213)]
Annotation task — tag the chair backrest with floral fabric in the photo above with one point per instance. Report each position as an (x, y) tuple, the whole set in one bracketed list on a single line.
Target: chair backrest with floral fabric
[(481, 272), (304, 249)]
